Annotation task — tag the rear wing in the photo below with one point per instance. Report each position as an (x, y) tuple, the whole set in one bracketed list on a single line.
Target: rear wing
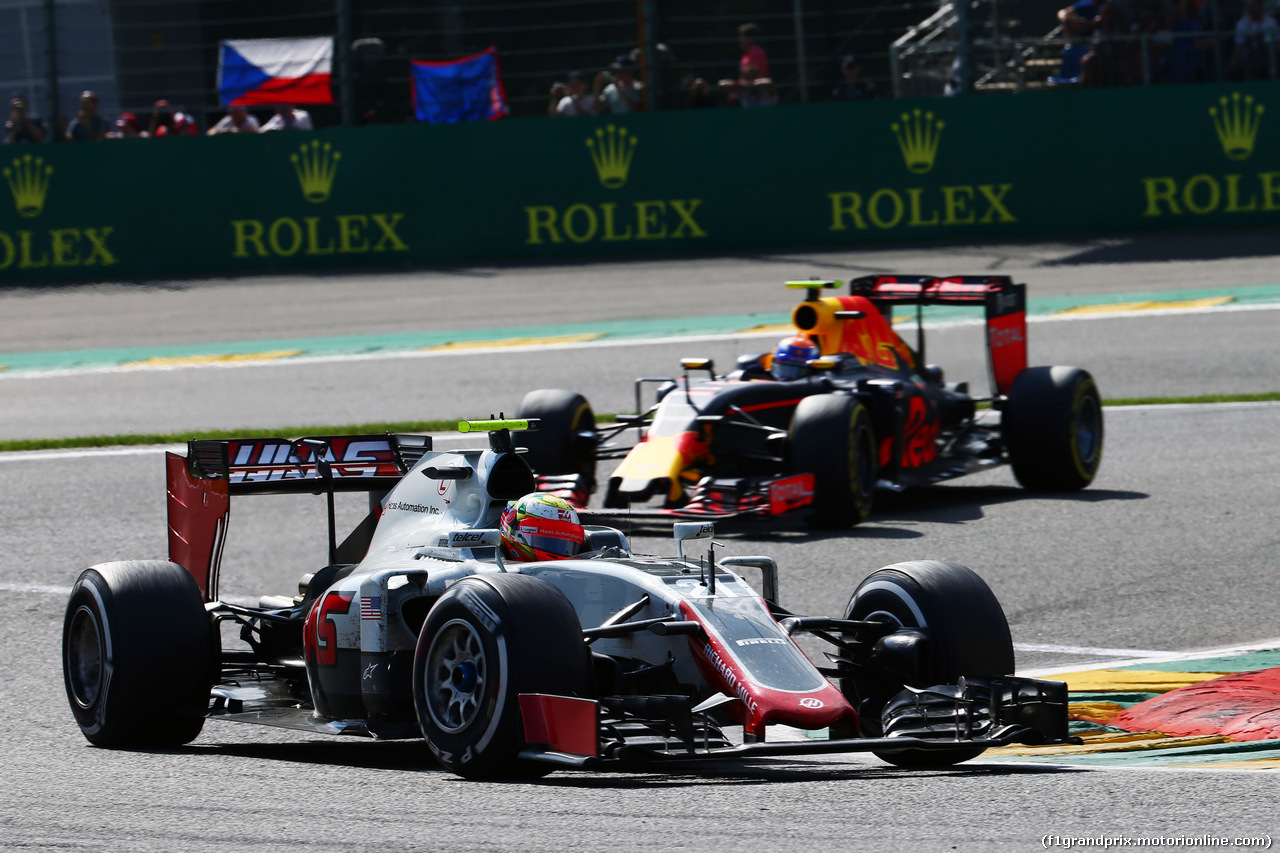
[(1005, 304), (200, 485)]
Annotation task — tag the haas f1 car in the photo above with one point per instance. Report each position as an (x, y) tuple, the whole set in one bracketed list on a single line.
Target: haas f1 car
[(859, 410), (422, 626)]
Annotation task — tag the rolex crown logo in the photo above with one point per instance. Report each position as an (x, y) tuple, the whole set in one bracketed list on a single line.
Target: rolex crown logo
[(316, 164), (918, 137), (1236, 120), (611, 151), (28, 181)]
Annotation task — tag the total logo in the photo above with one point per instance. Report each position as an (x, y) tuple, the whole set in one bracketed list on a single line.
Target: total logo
[(315, 164), (1236, 121), (29, 179), (612, 150), (918, 134)]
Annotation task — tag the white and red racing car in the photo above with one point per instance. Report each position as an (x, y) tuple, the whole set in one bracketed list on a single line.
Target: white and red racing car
[(419, 628)]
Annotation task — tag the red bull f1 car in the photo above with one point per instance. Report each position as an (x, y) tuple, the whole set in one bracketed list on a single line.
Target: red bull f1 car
[(419, 627), (864, 411)]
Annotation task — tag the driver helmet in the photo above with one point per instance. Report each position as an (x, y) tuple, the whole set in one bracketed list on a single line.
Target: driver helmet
[(791, 359), (541, 527)]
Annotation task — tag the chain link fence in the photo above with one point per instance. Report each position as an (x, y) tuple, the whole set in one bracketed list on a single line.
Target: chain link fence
[(132, 53)]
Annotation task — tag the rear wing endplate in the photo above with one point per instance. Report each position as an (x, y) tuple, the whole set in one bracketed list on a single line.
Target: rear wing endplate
[(200, 484), (1005, 304)]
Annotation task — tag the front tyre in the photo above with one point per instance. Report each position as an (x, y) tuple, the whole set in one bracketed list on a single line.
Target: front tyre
[(832, 439), (137, 649), (1052, 426), (968, 634), (486, 641)]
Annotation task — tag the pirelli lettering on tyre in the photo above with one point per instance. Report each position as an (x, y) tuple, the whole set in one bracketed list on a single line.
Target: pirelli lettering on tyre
[(919, 135)]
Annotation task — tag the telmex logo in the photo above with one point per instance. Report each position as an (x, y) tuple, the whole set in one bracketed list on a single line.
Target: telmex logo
[(612, 149), (918, 138), (29, 179), (316, 169), (919, 134), (1236, 122), (316, 166)]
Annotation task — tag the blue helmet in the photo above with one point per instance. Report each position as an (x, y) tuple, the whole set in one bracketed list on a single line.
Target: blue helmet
[(791, 359)]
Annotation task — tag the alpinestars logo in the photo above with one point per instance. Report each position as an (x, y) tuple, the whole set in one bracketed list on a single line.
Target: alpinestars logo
[(918, 136), (611, 151), (1236, 121), (316, 165), (28, 181)]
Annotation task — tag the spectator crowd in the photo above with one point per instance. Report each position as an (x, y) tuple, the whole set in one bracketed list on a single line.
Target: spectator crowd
[(87, 125), (1129, 42), (616, 89), (1109, 43)]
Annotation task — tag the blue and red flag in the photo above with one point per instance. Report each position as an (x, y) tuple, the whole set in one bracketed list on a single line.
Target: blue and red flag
[(275, 71), (467, 89)]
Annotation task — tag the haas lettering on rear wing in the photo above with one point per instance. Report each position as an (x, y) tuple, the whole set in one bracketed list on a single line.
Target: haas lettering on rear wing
[(200, 486), (1005, 304)]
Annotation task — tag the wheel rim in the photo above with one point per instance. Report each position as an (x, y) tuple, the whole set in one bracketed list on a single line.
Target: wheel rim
[(85, 658), (1088, 430), (456, 676)]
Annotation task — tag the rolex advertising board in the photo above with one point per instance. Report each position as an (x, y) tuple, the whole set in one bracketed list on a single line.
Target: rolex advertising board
[(983, 167)]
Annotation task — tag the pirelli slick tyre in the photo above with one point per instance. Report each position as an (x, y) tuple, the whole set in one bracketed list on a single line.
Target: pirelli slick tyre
[(565, 443), (968, 635), (831, 437), (1052, 427), (138, 654), (486, 641)]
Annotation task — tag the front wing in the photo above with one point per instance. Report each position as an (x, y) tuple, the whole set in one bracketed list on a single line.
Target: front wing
[(612, 731)]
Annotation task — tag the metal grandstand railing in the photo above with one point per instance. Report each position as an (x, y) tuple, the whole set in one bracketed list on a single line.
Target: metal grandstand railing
[(997, 46)]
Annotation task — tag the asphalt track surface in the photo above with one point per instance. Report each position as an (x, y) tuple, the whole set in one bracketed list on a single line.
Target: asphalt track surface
[(1173, 548)]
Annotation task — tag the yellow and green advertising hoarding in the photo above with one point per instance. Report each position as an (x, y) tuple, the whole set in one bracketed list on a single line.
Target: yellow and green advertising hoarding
[(985, 167)]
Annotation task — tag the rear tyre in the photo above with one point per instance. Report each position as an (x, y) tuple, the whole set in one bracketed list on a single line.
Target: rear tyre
[(1052, 426), (486, 641), (137, 649), (566, 442), (968, 632), (831, 437)]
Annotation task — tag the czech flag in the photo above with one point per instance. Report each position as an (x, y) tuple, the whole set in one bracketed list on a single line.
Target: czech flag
[(275, 71), (467, 89)]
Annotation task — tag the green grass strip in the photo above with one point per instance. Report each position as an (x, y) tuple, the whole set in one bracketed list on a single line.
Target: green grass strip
[(452, 425)]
